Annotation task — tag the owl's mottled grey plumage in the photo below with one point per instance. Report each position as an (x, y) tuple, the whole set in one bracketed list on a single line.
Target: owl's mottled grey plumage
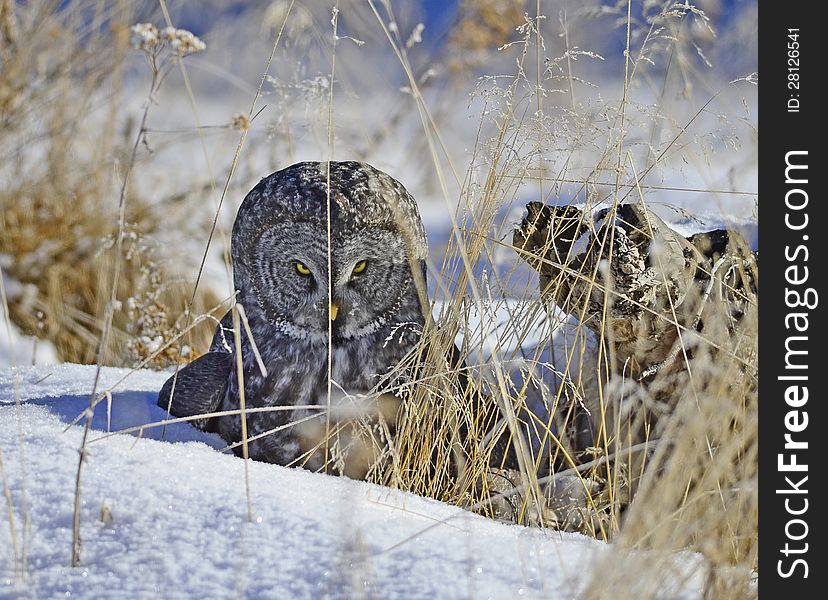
[(283, 221)]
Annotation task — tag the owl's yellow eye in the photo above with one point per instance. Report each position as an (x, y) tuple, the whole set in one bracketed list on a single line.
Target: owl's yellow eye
[(302, 269), (360, 267)]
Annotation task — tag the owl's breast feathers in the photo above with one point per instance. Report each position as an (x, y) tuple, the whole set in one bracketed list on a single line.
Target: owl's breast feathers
[(297, 375)]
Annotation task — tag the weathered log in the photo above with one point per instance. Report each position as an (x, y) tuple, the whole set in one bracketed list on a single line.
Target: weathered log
[(653, 297)]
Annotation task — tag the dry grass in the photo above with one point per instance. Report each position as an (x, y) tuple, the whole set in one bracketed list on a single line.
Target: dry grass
[(59, 222), (684, 479)]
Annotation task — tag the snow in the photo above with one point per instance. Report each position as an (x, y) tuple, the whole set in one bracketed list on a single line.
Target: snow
[(168, 517), (498, 328), (16, 348)]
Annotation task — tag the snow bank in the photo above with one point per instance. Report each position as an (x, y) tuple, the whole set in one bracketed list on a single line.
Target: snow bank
[(168, 518), (22, 349)]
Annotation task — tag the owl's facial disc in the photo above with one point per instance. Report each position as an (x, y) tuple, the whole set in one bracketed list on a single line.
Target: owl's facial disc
[(370, 277), (358, 269)]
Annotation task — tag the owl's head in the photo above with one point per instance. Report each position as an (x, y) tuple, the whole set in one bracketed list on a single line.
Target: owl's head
[(288, 253)]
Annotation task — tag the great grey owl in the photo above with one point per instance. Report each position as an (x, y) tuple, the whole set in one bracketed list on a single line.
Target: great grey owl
[(281, 258)]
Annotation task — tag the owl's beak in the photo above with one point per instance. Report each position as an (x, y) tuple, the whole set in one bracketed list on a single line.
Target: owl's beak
[(334, 311)]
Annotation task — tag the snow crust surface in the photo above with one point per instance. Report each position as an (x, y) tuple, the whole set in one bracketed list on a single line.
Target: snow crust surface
[(169, 518)]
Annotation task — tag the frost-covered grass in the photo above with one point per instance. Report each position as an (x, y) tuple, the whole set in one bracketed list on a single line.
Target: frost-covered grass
[(596, 104)]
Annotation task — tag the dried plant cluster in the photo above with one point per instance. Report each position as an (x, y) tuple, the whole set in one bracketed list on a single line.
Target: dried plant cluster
[(585, 365), (59, 221)]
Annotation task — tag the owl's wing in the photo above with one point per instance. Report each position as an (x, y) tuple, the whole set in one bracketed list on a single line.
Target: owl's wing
[(199, 388), (223, 339)]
